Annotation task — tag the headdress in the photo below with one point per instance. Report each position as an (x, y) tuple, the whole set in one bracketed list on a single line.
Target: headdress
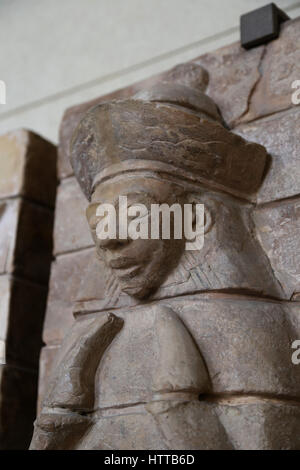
[(172, 128)]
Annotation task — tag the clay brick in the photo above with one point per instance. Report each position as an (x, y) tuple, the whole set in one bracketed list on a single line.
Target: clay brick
[(47, 360), (9, 211), (280, 135), (25, 239), (261, 424), (71, 231), (22, 308), (278, 226), (27, 167), (233, 72), (280, 67), (66, 275), (17, 407)]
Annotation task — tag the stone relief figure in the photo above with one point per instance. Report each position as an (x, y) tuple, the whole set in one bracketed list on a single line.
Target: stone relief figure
[(174, 349)]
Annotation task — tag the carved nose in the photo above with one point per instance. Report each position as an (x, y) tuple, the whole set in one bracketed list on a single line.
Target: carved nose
[(112, 243)]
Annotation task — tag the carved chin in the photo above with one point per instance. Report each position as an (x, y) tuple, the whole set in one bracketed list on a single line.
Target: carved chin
[(138, 291), (139, 287), (142, 281)]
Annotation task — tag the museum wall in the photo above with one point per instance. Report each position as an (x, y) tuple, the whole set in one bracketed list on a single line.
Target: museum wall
[(62, 53)]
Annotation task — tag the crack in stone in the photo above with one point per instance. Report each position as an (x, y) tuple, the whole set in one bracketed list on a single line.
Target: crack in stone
[(239, 120)]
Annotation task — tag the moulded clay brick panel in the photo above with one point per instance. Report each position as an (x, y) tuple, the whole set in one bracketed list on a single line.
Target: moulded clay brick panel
[(27, 167), (278, 228), (280, 134), (71, 230)]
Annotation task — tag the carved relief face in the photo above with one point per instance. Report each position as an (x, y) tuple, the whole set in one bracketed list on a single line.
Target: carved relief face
[(140, 266)]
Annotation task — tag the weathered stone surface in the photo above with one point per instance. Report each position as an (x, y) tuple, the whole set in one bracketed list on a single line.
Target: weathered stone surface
[(280, 135), (132, 135), (169, 425), (233, 73), (47, 358), (69, 233), (65, 279), (73, 115), (278, 228), (27, 167), (25, 239), (241, 424), (21, 331), (246, 346), (75, 391), (18, 392), (279, 69), (261, 424)]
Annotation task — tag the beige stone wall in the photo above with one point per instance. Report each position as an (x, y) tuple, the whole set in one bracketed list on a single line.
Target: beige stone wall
[(253, 91)]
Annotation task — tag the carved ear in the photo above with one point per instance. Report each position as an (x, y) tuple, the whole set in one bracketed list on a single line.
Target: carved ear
[(91, 218)]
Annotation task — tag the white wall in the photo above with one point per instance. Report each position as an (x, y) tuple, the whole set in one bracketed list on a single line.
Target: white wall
[(56, 53)]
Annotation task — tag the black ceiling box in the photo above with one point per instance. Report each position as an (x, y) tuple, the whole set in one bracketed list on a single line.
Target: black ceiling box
[(261, 25)]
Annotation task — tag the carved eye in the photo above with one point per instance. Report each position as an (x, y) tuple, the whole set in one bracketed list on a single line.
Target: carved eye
[(137, 211)]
